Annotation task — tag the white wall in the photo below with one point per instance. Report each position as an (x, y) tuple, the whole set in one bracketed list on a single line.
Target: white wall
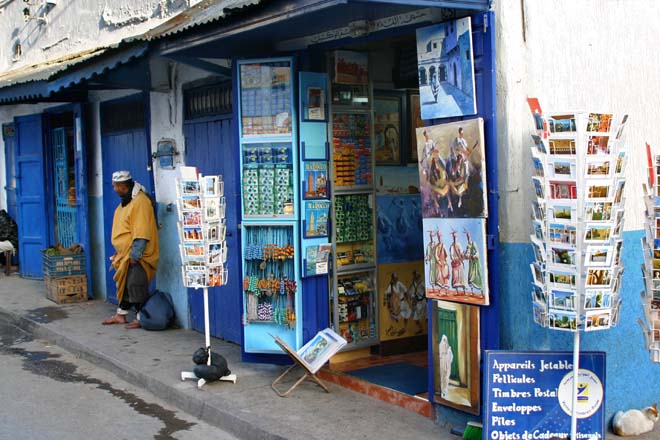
[(75, 25), (586, 55)]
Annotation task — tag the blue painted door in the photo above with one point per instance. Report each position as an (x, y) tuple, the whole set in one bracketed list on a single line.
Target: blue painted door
[(32, 221), (9, 137), (82, 204), (210, 148), (126, 150)]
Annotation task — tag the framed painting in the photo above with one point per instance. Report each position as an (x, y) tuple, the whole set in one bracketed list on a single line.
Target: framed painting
[(389, 126)]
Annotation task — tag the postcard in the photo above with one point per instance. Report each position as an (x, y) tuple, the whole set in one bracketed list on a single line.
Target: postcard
[(599, 277), (315, 179), (562, 146), (598, 211), (540, 314), (621, 161), (561, 279), (538, 187), (539, 144), (597, 168), (619, 132), (537, 273), (616, 312), (562, 299), (558, 211), (212, 186), (215, 231), (539, 120), (562, 320), (196, 279), (191, 203), (618, 223), (597, 299), (191, 252), (538, 230), (189, 187), (188, 173), (538, 210), (563, 190), (191, 233), (562, 168), (190, 218), (316, 218), (599, 122), (217, 254), (562, 233), (562, 124), (598, 145), (539, 251), (538, 167), (596, 320), (618, 194), (597, 190), (217, 276), (597, 233), (599, 256), (561, 255), (538, 294)]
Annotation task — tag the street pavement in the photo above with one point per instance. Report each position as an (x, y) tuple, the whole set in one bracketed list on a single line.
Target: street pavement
[(50, 394), (248, 409)]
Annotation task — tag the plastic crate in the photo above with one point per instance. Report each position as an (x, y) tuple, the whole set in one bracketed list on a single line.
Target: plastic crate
[(67, 290), (64, 265)]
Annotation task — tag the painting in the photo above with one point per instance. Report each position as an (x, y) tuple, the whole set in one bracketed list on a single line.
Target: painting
[(388, 129), (452, 169), (455, 342), (351, 67), (455, 266), (402, 309), (399, 225), (446, 70)]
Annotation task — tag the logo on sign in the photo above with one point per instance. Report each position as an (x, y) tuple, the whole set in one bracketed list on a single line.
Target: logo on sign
[(589, 394)]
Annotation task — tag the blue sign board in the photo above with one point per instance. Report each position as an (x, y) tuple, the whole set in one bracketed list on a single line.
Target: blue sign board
[(529, 395)]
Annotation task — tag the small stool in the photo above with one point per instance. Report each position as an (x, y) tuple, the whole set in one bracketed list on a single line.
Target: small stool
[(9, 268)]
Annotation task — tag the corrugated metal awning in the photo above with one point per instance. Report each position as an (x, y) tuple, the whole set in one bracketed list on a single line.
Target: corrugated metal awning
[(42, 81)]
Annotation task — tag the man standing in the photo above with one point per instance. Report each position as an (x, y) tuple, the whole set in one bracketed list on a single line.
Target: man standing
[(135, 239)]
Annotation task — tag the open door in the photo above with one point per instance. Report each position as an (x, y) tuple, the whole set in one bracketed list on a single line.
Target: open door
[(30, 195), (80, 157)]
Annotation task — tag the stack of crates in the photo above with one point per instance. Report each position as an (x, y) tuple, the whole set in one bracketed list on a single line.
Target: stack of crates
[(65, 276)]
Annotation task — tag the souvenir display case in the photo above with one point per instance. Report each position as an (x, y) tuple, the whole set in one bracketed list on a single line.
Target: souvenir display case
[(269, 164), (353, 294), (651, 266), (579, 163)]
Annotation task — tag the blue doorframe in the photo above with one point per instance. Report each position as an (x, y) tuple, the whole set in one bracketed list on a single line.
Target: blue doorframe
[(210, 147), (9, 138), (33, 225)]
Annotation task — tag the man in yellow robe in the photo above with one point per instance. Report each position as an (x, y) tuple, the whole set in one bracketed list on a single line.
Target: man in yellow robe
[(135, 239)]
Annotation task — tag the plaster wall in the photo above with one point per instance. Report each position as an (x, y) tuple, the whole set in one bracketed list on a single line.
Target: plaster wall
[(591, 55), (74, 26)]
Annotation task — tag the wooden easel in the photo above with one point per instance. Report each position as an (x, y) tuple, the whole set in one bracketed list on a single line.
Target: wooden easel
[(297, 361)]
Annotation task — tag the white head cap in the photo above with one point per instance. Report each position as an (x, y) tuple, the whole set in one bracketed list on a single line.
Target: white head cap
[(121, 176)]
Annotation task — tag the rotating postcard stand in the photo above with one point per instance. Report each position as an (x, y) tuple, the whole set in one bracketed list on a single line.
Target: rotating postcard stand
[(651, 249), (203, 246), (579, 163)]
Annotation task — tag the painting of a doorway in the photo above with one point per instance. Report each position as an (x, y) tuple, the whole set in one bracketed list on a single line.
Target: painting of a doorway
[(456, 356)]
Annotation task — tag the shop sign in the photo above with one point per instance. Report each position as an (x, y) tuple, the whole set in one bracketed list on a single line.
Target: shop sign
[(529, 395)]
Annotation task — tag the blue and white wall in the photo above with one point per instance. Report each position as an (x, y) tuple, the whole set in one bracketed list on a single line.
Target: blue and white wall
[(588, 55)]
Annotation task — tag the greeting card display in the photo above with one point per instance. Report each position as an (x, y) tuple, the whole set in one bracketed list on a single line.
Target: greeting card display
[(202, 229), (578, 211), (651, 249)]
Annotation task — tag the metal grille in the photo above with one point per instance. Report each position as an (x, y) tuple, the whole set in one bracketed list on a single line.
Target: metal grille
[(207, 101), (122, 115), (65, 196)]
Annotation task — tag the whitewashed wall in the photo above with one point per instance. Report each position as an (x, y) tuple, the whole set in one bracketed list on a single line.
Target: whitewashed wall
[(577, 55), (74, 26)]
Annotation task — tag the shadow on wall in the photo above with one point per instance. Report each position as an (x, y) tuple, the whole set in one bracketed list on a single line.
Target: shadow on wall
[(624, 345)]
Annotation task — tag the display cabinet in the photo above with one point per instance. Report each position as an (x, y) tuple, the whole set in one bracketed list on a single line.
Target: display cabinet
[(353, 296), (270, 204)]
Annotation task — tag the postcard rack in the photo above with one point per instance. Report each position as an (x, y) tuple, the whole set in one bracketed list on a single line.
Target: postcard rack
[(578, 210), (201, 207), (651, 249), (579, 164)]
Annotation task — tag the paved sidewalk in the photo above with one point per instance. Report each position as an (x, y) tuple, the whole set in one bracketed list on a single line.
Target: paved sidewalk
[(249, 409)]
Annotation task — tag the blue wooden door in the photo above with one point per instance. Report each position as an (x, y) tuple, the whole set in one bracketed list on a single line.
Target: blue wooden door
[(32, 221), (9, 137), (210, 148), (126, 150), (82, 205)]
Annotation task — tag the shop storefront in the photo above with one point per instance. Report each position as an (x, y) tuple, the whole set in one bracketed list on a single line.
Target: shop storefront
[(327, 102)]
